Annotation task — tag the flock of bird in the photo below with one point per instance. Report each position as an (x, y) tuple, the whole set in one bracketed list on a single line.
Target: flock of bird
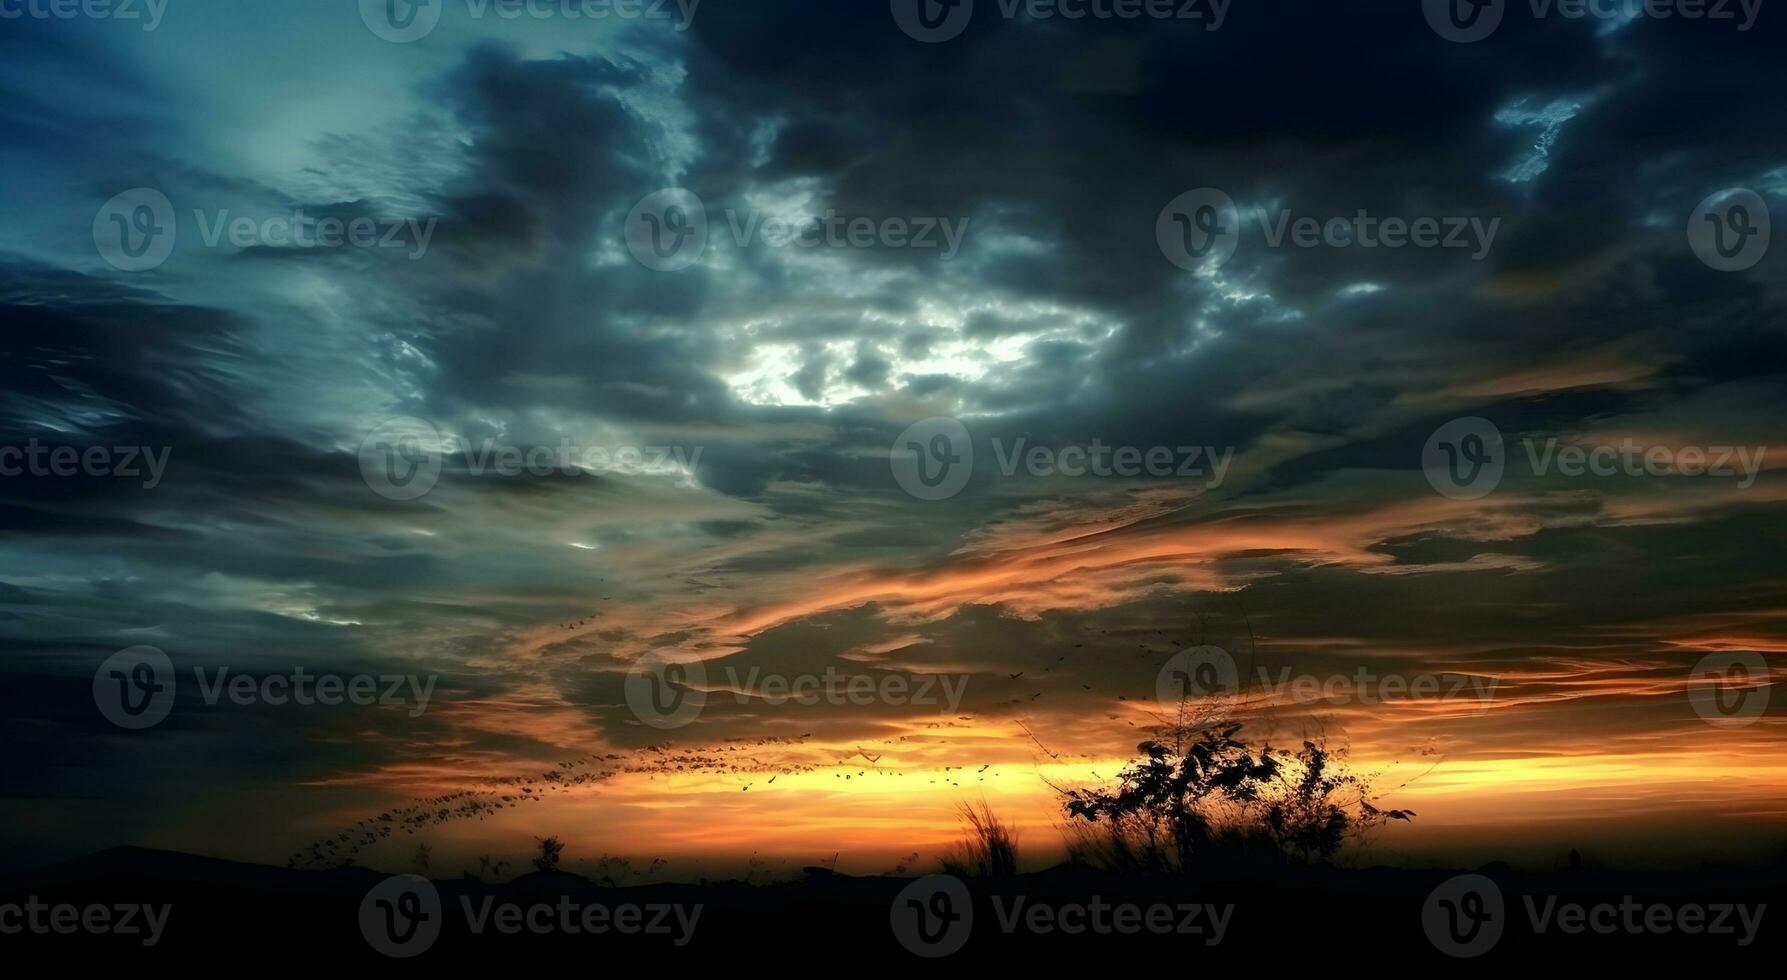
[(511, 792), (731, 757)]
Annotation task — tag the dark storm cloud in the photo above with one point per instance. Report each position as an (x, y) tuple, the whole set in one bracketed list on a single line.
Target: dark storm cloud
[(786, 546)]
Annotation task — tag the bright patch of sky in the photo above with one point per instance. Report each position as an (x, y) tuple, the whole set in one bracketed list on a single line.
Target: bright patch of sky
[(1549, 120), (818, 374)]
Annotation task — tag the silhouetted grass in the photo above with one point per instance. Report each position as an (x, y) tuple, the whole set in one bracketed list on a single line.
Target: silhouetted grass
[(990, 849)]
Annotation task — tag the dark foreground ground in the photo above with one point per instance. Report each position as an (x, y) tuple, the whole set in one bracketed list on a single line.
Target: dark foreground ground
[(238, 919)]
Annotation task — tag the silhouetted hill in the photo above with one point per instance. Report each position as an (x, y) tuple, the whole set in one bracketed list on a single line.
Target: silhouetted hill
[(158, 865)]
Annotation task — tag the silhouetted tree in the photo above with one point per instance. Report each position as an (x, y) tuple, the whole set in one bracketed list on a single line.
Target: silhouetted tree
[(551, 848), (1210, 798)]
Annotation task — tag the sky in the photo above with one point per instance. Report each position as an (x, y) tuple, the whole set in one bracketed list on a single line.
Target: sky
[(527, 356)]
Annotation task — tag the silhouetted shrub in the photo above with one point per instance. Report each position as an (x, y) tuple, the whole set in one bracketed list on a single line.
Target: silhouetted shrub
[(551, 848), (1211, 800)]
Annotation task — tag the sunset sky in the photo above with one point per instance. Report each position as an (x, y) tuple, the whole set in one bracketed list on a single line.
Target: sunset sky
[(1563, 615)]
